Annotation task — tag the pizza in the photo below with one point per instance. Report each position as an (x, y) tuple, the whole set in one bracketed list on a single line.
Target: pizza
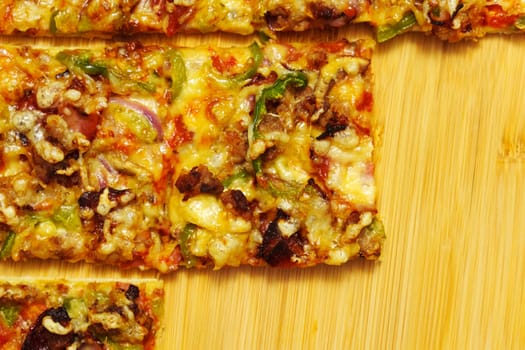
[(452, 20), (107, 17), (157, 157), (448, 20), (80, 315)]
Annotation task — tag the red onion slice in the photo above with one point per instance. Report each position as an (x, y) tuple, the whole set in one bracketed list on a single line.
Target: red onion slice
[(138, 107)]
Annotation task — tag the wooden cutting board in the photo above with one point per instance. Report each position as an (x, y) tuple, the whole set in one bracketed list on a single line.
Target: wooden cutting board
[(451, 179)]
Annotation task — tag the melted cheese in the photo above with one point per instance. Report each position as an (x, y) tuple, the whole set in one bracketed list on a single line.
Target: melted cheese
[(209, 213)]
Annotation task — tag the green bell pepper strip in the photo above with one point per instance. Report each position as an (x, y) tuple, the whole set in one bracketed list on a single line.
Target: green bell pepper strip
[(276, 187), (520, 23), (257, 56), (5, 252), (10, 313), (82, 61), (76, 308), (264, 37), (67, 216), (118, 78), (187, 233), (281, 188), (52, 23), (276, 91), (241, 174), (177, 72), (387, 32), (374, 232)]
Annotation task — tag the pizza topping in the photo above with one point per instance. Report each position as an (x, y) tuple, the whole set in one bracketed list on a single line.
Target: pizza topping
[(187, 235), (81, 62), (332, 127), (104, 201), (52, 330), (388, 31), (242, 174), (68, 216), (88, 200), (274, 92), (10, 313), (54, 326), (237, 145), (109, 200), (278, 249), (58, 129), (139, 119), (177, 72), (438, 16), (520, 23), (133, 292), (277, 19), (371, 238), (82, 123), (331, 15), (198, 180), (236, 201), (177, 17), (496, 17), (257, 57)]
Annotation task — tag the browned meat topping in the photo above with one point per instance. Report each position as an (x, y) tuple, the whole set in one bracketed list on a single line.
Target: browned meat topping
[(237, 202), (332, 127), (277, 19), (132, 292), (324, 12), (50, 331), (198, 180), (276, 249)]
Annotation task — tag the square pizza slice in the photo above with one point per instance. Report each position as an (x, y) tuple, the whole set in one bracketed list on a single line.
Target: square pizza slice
[(153, 156)]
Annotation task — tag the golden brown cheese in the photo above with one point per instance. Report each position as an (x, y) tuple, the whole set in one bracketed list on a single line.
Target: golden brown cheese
[(159, 157)]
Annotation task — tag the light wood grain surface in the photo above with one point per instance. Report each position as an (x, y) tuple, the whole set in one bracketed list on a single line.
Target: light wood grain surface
[(451, 178)]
